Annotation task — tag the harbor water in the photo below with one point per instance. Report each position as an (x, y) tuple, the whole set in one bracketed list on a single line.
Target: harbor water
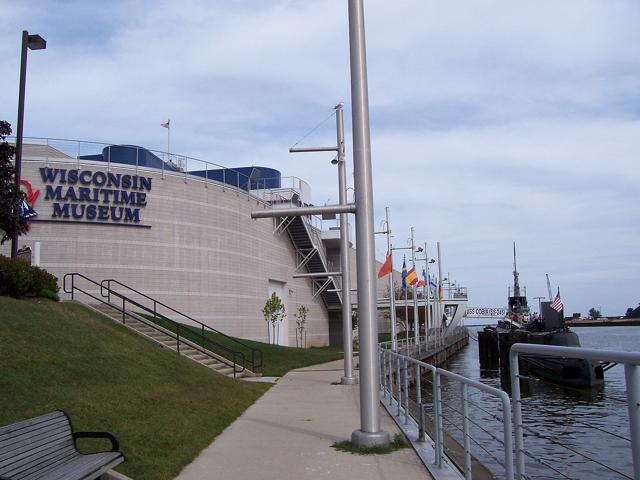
[(569, 433)]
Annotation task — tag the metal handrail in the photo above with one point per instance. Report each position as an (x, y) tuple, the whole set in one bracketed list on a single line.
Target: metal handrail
[(631, 362), (200, 348), (254, 351), (181, 162), (403, 365)]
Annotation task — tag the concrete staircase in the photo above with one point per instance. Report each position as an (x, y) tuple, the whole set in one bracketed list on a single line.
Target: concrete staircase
[(167, 339)]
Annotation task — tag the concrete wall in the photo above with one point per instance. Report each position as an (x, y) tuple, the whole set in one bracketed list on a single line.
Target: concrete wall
[(203, 254)]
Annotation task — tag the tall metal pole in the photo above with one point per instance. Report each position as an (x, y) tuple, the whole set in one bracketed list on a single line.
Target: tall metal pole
[(19, 130), (369, 433), (426, 310), (392, 291), (438, 322), (414, 289), (348, 378)]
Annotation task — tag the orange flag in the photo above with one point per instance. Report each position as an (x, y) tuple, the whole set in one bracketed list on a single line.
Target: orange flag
[(386, 267)]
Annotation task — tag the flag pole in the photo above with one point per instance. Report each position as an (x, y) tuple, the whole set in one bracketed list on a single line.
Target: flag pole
[(169, 138), (428, 287), (392, 292), (416, 322)]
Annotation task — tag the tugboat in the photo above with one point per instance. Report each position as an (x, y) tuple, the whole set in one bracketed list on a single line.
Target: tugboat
[(545, 328)]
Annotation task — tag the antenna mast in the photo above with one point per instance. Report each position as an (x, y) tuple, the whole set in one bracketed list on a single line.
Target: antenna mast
[(516, 283)]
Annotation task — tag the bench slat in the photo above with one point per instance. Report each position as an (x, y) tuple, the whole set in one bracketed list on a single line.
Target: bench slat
[(42, 448), (53, 416), (44, 466), (87, 466), (38, 454), (15, 451), (40, 429), (37, 471)]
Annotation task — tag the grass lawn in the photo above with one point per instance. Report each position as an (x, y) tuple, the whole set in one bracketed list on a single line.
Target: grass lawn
[(276, 360), (163, 408)]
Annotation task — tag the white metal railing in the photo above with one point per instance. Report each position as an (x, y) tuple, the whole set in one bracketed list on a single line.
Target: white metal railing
[(631, 362), (436, 338), (59, 150), (397, 371)]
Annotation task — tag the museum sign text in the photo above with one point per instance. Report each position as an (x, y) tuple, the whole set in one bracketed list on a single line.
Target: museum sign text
[(84, 195)]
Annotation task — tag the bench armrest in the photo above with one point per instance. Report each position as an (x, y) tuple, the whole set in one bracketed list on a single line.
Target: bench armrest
[(115, 445)]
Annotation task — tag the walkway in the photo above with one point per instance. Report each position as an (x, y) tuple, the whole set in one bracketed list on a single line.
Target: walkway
[(288, 433)]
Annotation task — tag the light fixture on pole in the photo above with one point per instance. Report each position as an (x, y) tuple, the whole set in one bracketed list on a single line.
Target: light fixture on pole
[(349, 378), (29, 42)]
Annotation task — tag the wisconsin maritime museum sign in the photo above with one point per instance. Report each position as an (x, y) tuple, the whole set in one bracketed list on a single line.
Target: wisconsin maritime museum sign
[(104, 198)]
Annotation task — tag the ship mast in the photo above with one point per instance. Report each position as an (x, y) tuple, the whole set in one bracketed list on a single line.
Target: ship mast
[(516, 283), (549, 289)]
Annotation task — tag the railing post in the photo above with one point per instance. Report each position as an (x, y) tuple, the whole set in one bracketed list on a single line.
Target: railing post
[(632, 376), (123, 315), (438, 414), (405, 381), (390, 378), (517, 413), (420, 411), (399, 384), (178, 339), (465, 431), (383, 372), (72, 285)]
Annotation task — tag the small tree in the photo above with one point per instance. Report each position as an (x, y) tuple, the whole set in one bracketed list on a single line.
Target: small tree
[(301, 320), (274, 313), (594, 313), (10, 194)]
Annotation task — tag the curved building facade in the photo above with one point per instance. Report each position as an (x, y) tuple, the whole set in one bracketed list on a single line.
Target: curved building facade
[(180, 233)]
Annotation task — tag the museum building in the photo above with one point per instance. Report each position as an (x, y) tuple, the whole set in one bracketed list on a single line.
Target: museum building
[(180, 230)]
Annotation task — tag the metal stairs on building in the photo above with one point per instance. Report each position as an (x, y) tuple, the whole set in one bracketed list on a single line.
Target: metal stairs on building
[(167, 339), (312, 255)]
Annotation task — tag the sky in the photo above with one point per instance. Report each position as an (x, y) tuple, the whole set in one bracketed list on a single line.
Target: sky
[(492, 122)]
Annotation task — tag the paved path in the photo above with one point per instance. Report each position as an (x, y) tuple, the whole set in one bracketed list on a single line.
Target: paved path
[(288, 433)]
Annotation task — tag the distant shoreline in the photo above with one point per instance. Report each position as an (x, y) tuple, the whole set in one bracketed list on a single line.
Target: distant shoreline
[(632, 322)]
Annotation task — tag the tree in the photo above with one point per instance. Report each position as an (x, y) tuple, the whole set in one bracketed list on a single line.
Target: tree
[(594, 313), (629, 312), (301, 320), (274, 313), (10, 195)]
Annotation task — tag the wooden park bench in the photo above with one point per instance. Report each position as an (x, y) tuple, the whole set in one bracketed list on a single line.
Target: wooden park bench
[(44, 448)]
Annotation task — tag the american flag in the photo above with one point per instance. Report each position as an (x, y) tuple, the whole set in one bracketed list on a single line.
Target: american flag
[(557, 303), (166, 125)]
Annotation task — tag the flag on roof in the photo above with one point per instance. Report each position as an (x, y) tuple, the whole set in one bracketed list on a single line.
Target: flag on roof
[(557, 303), (386, 267), (166, 125), (404, 274), (412, 276)]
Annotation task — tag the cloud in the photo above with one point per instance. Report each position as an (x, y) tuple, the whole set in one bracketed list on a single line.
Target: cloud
[(490, 121)]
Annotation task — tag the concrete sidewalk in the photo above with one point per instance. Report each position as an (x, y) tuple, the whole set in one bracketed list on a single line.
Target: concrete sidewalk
[(288, 433)]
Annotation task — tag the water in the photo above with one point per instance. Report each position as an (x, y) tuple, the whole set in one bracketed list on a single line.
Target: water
[(569, 433)]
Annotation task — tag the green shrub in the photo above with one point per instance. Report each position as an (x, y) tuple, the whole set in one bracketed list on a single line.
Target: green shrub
[(17, 279)]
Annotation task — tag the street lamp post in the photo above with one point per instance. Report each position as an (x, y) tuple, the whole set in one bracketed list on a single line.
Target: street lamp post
[(29, 42), (370, 433), (349, 378)]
